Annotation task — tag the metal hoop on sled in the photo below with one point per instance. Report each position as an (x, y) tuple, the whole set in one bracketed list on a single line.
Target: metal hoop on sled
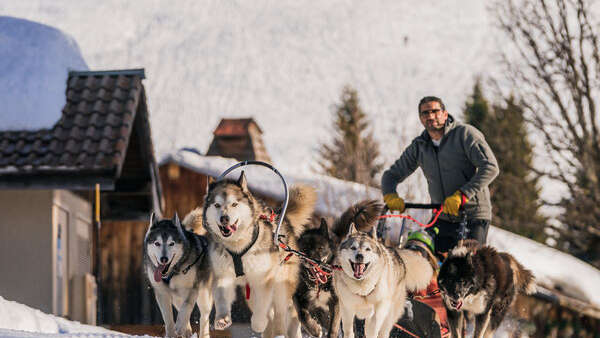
[(285, 201)]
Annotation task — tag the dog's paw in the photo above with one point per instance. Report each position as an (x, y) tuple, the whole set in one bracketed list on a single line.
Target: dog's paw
[(315, 331), (313, 328), (258, 324), (222, 323), (183, 332), (170, 331)]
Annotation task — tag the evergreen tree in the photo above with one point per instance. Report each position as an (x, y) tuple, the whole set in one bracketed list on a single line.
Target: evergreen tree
[(353, 153), (514, 193)]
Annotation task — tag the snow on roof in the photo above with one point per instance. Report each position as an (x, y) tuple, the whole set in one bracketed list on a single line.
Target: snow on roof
[(334, 195), (552, 268), (36, 60)]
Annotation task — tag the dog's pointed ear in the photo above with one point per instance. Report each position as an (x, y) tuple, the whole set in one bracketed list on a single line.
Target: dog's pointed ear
[(373, 233), (209, 183), (178, 225), (352, 229), (469, 257), (151, 223), (324, 229), (242, 181)]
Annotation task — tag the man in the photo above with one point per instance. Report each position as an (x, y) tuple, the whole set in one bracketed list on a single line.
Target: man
[(458, 165)]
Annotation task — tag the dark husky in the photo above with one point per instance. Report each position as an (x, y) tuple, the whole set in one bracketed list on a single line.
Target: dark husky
[(176, 266), (315, 299), (482, 282)]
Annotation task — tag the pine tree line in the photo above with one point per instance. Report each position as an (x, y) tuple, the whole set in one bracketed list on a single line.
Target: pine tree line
[(515, 193)]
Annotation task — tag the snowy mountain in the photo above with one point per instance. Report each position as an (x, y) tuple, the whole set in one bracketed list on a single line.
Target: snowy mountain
[(282, 62), (35, 63)]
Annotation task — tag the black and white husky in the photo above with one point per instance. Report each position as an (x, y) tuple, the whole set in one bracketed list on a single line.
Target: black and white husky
[(242, 252), (315, 299), (374, 280), (483, 283), (176, 266)]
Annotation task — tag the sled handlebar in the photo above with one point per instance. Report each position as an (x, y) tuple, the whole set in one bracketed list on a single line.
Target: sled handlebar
[(421, 206)]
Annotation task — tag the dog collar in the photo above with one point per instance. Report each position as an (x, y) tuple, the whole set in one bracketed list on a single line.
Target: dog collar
[(237, 257)]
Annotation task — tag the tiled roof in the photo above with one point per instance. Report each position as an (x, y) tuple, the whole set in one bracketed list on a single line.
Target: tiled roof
[(92, 134), (234, 127)]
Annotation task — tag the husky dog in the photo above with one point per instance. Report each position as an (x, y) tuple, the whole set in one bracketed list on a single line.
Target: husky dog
[(314, 296), (481, 282), (176, 265), (242, 252), (374, 280)]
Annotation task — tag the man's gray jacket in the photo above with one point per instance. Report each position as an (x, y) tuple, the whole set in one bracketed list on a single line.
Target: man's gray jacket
[(463, 161)]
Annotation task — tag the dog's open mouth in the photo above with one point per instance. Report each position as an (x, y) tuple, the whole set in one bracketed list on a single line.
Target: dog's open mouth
[(456, 304), (228, 229), (161, 271), (359, 269)]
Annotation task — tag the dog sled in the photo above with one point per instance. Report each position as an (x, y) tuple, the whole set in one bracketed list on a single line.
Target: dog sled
[(429, 318)]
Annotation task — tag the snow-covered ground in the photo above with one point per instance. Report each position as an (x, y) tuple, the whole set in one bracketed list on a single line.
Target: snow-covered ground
[(18, 320)]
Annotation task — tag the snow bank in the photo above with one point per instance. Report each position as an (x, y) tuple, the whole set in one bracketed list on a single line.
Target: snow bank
[(18, 320), (551, 267)]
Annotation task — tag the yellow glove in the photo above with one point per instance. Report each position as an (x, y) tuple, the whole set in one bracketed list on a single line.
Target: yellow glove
[(394, 202), (454, 202)]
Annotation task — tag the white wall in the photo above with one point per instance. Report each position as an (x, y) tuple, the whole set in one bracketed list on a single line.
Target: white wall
[(29, 221)]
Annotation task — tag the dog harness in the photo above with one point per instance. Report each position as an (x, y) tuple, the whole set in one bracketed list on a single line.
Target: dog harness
[(237, 257), (204, 246)]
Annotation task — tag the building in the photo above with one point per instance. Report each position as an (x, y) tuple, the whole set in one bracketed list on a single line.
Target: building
[(47, 182), (240, 139)]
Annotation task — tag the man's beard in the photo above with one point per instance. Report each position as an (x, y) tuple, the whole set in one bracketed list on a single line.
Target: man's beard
[(434, 127)]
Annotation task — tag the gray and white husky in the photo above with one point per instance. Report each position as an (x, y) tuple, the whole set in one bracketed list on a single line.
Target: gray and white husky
[(374, 280), (242, 252), (177, 266), (483, 283)]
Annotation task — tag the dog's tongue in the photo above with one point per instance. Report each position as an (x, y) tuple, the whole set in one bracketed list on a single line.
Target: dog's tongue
[(359, 270), (158, 272), (231, 227)]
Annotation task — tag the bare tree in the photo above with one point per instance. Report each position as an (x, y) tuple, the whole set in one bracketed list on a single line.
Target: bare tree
[(554, 70)]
